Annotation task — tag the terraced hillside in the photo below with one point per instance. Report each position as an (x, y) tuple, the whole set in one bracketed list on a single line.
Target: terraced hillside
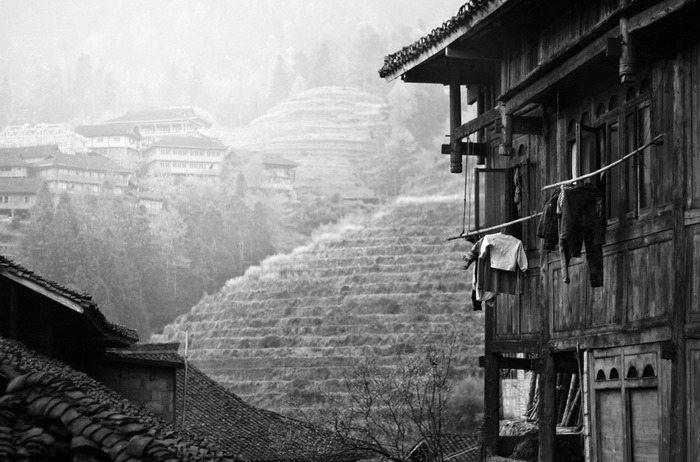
[(331, 132), (290, 327)]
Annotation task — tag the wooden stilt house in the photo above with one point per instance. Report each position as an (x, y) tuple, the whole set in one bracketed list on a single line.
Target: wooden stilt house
[(603, 93)]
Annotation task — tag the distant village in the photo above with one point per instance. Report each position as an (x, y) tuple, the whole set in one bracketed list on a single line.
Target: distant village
[(113, 158)]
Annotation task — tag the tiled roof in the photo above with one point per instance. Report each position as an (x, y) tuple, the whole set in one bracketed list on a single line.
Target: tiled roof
[(245, 432), (90, 308), (198, 142), (31, 152), (462, 447), (20, 185), (456, 447), (149, 352), (90, 162), (11, 159), (159, 115), (275, 159), (108, 130), (409, 53), (48, 411)]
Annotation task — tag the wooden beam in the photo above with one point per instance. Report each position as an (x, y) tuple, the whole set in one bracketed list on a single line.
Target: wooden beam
[(468, 149), (549, 81), (485, 53), (654, 13), (476, 124), (46, 293)]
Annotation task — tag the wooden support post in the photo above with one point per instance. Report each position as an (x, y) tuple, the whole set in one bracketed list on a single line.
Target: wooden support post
[(678, 441), (455, 121), (506, 134), (492, 388), (548, 408), (480, 108), (628, 60)]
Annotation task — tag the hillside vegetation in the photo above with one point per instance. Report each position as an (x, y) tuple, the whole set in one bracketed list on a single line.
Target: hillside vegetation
[(287, 330)]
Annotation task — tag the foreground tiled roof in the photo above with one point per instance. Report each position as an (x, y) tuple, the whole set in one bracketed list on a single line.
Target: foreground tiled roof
[(407, 54), (83, 299), (20, 185), (48, 411), (456, 447), (243, 431), (109, 130), (462, 447)]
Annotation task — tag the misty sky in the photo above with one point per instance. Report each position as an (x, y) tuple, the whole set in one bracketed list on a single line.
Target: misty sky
[(217, 35)]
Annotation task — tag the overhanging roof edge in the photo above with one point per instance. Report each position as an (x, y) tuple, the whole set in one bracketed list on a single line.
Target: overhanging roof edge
[(472, 24)]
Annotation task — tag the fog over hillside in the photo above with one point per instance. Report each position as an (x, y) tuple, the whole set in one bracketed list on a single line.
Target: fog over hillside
[(216, 54)]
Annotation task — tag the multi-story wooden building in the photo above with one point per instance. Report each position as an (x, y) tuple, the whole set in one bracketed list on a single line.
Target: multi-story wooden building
[(185, 156), (564, 92), (154, 124), (86, 174), (120, 143)]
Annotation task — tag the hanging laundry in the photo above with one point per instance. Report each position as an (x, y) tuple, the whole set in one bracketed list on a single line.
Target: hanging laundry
[(575, 213), (500, 262), (582, 222), (548, 224)]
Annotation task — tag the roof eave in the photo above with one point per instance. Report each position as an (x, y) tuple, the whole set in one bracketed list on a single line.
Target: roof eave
[(474, 24)]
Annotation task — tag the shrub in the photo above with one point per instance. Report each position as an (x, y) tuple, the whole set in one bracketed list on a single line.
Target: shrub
[(270, 341)]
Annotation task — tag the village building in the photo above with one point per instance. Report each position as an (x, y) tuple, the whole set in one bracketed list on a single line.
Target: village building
[(86, 174), (76, 386), (586, 130), (268, 172), (30, 154), (155, 124), (151, 202), (12, 165), (18, 195), (185, 156), (68, 141), (120, 143)]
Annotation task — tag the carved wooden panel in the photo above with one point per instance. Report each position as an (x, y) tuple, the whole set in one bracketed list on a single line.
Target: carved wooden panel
[(650, 285)]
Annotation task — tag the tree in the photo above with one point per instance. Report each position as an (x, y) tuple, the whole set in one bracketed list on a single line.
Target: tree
[(386, 408)]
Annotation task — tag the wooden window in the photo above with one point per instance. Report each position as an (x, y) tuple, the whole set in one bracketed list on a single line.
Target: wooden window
[(493, 194)]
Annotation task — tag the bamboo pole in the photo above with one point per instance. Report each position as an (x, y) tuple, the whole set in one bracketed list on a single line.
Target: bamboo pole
[(656, 140), (493, 228)]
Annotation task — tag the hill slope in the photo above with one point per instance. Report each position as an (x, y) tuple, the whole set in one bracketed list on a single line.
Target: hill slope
[(331, 132), (291, 326)]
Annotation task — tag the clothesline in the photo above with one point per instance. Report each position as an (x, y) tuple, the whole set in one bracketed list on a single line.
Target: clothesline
[(655, 140), (493, 228)]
